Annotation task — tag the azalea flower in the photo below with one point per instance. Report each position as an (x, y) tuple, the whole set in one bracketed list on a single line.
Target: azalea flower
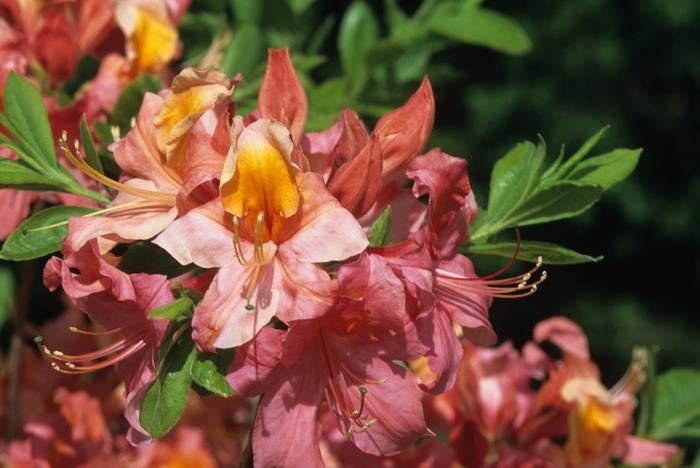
[(573, 401), (161, 183), (345, 358), (120, 303)]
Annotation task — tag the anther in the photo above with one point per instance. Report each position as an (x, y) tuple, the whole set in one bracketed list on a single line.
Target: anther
[(249, 306)]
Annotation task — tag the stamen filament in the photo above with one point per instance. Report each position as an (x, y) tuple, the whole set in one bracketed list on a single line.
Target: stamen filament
[(88, 170)]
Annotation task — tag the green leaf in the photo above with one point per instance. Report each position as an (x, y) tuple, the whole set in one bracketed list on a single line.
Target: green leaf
[(299, 6), (166, 398), (41, 234), (91, 156), (379, 232), (560, 200), (245, 52), (513, 178), (359, 30), (7, 292), (607, 169), (24, 108), (479, 26), (581, 153), (552, 254), (209, 371), (173, 311), (246, 11), (129, 101), (677, 402), (14, 174)]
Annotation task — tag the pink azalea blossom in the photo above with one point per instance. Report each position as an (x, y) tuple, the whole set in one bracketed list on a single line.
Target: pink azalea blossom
[(344, 357), (120, 303)]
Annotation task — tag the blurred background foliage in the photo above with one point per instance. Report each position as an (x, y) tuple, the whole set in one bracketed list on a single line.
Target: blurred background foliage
[(559, 69)]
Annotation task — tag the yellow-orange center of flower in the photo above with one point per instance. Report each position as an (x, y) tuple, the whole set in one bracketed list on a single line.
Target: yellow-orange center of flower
[(262, 186)]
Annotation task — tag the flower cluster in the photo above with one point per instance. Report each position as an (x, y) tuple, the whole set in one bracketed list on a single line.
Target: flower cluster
[(535, 408), (310, 256)]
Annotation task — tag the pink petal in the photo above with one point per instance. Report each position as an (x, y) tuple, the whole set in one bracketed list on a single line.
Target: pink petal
[(647, 452), (403, 132), (287, 430), (138, 223), (196, 238), (467, 307), (221, 320), (451, 210), (255, 362), (14, 205), (281, 96), (138, 154), (356, 183), (322, 230), (565, 334)]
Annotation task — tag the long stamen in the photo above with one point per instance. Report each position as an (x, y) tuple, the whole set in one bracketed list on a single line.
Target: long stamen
[(94, 360), (506, 288), (94, 333), (237, 243), (88, 170), (258, 251), (636, 373)]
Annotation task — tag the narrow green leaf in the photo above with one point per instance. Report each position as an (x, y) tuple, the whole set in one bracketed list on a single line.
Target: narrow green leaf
[(581, 153), (14, 174), (245, 52), (359, 30), (166, 398), (677, 402), (91, 156), (555, 165), (209, 371), (379, 232), (173, 311), (7, 293), (513, 178), (479, 26), (552, 254), (41, 234), (607, 169), (24, 107), (129, 101), (560, 200)]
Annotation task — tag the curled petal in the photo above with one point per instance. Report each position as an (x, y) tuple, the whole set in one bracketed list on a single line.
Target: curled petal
[(192, 93), (282, 97), (356, 184), (403, 132), (565, 334)]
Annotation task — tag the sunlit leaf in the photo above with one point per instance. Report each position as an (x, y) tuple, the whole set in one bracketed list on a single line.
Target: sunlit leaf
[(41, 234)]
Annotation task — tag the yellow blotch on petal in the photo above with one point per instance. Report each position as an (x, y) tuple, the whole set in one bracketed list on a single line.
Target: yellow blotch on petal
[(258, 174), (151, 36), (192, 93), (593, 419)]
